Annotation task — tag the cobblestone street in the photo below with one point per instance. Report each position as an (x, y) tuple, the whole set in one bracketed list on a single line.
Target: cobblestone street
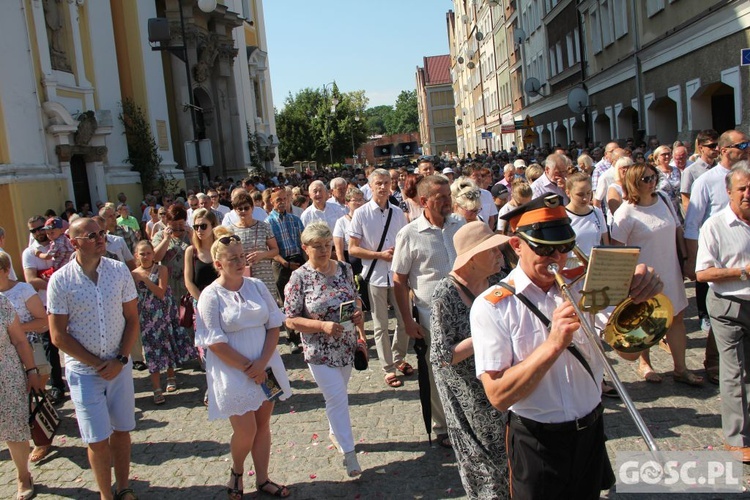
[(177, 453)]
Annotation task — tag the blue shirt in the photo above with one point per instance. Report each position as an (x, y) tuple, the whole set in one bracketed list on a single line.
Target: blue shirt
[(287, 229), (708, 196)]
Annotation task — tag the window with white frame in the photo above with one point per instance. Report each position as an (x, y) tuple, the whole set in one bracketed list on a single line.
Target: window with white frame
[(558, 50), (569, 49), (606, 20), (653, 7), (577, 43), (620, 13), (596, 30), (552, 62)]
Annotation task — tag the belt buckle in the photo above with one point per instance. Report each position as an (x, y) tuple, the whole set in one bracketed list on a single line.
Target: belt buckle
[(579, 424)]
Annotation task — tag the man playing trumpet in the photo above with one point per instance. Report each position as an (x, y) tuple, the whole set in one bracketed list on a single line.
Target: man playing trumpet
[(555, 435)]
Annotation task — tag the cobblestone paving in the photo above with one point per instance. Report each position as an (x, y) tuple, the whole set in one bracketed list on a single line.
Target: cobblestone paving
[(177, 453)]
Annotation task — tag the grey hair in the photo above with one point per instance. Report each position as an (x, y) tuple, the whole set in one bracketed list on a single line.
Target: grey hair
[(378, 172), (317, 231), (316, 183), (337, 181), (466, 193), (509, 168), (203, 196), (742, 167), (551, 161)]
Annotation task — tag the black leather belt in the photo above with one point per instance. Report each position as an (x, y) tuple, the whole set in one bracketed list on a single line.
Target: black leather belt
[(578, 424)]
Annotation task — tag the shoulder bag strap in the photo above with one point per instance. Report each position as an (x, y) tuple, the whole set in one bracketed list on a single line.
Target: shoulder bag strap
[(547, 323), (463, 288), (380, 245)]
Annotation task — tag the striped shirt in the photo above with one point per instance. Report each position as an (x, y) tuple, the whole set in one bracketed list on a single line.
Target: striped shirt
[(287, 229)]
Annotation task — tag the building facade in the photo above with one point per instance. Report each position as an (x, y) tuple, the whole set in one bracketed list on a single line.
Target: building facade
[(67, 66), (436, 106)]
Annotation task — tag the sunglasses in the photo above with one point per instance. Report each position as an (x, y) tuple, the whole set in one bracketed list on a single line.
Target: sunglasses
[(202, 227), (35, 230), (647, 179), (548, 250), (710, 145), (226, 240), (740, 145), (92, 236), (243, 208)]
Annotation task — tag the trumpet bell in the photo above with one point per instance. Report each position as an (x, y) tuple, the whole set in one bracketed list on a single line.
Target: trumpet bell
[(635, 327)]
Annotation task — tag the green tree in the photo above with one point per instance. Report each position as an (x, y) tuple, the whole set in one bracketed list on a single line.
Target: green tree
[(405, 117), (376, 117)]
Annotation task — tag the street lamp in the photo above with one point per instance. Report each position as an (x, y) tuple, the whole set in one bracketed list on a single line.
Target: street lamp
[(158, 32), (334, 103), (354, 151)]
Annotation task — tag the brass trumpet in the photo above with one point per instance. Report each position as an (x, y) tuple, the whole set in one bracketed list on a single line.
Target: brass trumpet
[(631, 328)]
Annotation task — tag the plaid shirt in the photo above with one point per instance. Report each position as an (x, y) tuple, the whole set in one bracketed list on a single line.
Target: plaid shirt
[(127, 234), (287, 229)]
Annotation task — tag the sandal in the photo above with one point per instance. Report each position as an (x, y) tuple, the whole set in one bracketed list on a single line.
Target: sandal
[(688, 378), (280, 491), (39, 452), (27, 494), (444, 441), (159, 397), (712, 376), (171, 384), (649, 375), (392, 380), (609, 391), (121, 495), (235, 493), (405, 368)]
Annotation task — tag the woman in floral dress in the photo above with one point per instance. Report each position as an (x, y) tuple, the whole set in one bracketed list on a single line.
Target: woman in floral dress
[(16, 356), (475, 427), (312, 299), (258, 241), (169, 249), (157, 311)]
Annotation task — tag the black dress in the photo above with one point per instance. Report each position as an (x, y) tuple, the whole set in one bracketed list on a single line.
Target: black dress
[(476, 428)]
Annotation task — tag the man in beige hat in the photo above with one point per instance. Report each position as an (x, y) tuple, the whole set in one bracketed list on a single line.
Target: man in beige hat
[(424, 255)]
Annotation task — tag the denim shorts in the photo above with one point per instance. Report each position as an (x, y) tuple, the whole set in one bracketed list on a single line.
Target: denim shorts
[(103, 406)]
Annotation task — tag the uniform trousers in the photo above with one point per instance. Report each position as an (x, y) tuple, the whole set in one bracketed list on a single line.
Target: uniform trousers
[(550, 463), (730, 321)]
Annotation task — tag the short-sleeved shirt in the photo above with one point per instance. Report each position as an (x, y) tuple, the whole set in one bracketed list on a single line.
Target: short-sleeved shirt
[(507, 332), (691, 174), (724, 243), (544, 185), (94, 310), (287, 228), (118, 247), (368, 223), (707, 197), (342, 230), (489, 209), (330, 214), (589, 228), (31, 261), (425, 253), (233, 218)]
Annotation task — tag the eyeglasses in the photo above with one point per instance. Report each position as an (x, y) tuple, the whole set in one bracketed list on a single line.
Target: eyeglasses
[(547, 250), (92, 236), (202, 227), (647, 179), (243, 208), (740, 145), (710, 145), (35, 230), (227, 240)]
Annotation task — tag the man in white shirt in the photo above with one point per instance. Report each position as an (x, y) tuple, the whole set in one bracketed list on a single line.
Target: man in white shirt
[(553, 178), (707, 144), (93, 310), (423, 256), (338, 192), (366, 232), (724, 262), (321, 208), (215, 205), (526, 365), (483, 178)]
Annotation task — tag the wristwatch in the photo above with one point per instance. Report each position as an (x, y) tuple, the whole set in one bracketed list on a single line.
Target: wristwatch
[(743, 274), (122, 359)]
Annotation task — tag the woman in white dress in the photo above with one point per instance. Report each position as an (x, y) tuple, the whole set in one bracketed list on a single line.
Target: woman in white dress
[(647, 221), (240, 330)]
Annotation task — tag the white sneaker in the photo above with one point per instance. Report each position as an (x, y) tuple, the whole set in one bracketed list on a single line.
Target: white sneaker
[(352, 466)]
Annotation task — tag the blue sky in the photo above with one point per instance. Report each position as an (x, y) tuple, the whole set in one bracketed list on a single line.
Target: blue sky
[(374, 46)]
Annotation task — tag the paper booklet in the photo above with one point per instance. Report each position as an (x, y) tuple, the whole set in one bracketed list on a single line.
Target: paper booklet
[(271, 386), (346, 311), (608, 277)]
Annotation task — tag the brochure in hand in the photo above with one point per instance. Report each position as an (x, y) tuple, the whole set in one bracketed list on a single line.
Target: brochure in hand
[(271, 386)]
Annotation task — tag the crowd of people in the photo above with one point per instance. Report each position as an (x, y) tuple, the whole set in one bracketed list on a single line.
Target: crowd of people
[(456, 250)]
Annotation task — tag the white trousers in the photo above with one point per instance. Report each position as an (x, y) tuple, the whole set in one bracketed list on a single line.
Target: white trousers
[(333, 382)]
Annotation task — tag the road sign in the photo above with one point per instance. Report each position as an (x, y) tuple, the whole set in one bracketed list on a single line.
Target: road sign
[(530, 135), (518, 124), (745, 60), (486, 135), (507, 129), (528, 122)]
